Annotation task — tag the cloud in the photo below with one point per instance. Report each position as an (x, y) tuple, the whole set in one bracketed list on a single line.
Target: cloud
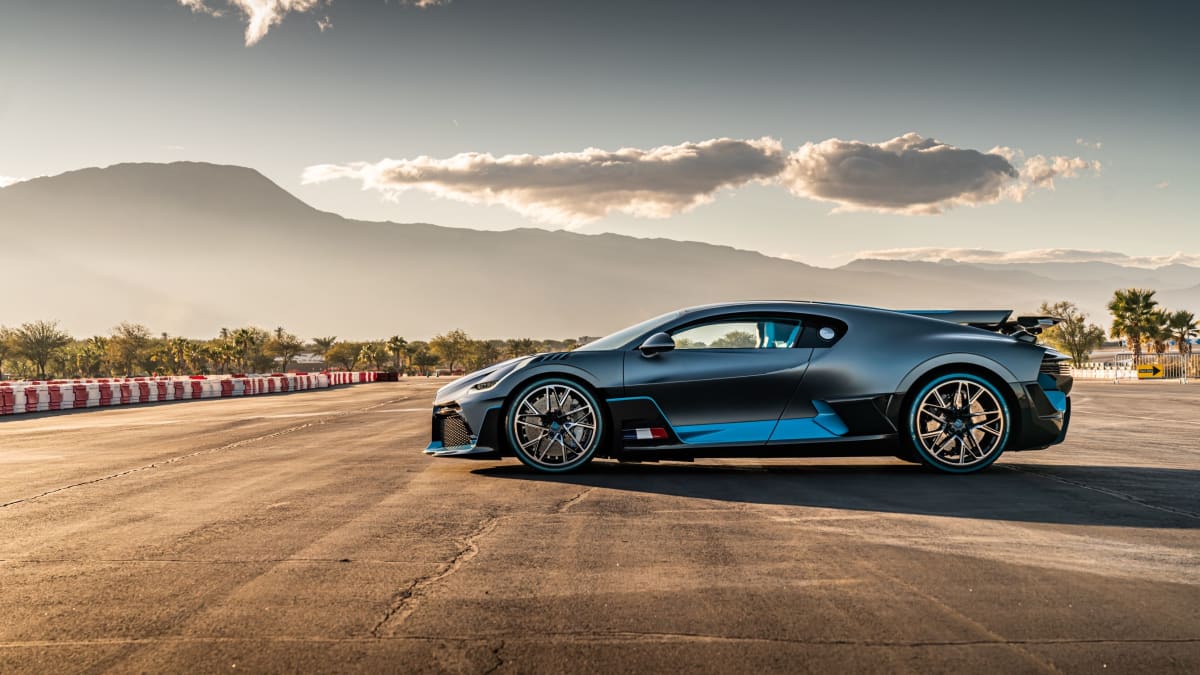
[(914, 175), (5, 181), (909, 174), (1095, 145), (1163, 185), (1041, 171), (263, 15), (573, 188), (1041, 255)]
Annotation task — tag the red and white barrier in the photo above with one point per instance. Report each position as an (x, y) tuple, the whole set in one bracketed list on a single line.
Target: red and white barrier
[(44, 396)]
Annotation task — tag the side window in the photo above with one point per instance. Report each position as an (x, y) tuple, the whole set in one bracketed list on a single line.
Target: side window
[(739, 333)]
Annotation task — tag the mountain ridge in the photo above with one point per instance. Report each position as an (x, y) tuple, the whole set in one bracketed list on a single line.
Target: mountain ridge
[(188, 247)]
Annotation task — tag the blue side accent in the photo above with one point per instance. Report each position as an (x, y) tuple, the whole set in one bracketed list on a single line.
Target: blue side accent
[(1057, 399), (642, 398), (1050, 388), (826, 424), (436, 445), (829, 419), (731, 432), (800, 429)]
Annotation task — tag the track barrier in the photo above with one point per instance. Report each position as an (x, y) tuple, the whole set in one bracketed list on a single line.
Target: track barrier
[(17, 397)]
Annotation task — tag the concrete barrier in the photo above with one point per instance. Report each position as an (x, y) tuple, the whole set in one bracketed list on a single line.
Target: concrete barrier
[(19, 397)]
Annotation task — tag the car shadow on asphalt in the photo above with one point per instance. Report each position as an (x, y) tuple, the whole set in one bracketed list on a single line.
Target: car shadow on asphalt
[(1114, 496)]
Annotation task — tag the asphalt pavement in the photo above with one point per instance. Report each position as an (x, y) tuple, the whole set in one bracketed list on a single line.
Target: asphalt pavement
[(307, 532)]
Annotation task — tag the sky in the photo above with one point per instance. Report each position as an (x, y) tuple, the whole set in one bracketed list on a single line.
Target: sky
[(815, 131)]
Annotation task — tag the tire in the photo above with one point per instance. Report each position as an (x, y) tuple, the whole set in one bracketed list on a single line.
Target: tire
[(958, 423), (554, 425)]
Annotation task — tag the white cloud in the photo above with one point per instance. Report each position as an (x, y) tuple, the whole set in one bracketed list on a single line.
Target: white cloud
[(1163, 185), (5, 181), (908, 174), (572, 188), (1041, 171), (1042, 255), (1095, 145), (911, 174), (263, 15)]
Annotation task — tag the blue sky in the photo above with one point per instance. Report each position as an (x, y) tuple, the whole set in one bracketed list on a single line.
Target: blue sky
[(95, 83)]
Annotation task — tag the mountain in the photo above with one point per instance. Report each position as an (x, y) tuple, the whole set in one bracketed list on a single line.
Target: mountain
[(188, 247)]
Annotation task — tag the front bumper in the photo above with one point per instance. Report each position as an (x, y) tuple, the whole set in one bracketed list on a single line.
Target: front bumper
[(463, 430)]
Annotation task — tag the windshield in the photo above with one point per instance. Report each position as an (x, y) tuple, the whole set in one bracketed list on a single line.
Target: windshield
[(626, 334)]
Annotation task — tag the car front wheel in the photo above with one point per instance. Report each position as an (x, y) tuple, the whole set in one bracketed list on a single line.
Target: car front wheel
[(554, 425)]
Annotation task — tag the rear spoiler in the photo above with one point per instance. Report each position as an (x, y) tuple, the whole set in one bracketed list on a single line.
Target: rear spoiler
[(996, 320)]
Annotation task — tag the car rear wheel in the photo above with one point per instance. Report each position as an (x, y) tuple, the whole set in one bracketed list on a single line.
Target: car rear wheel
[(554, 425), (958, 423)]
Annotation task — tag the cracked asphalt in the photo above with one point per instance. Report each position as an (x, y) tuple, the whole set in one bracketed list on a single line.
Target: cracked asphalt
[(307, 532)]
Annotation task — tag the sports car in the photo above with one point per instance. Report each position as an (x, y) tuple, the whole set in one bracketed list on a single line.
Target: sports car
[(950, 389)]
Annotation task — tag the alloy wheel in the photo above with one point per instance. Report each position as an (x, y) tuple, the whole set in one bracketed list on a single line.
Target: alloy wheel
[(960, 423), (554, 426)]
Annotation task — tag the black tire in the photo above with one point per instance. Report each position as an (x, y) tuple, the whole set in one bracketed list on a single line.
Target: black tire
[(554, 425), (958, 423)]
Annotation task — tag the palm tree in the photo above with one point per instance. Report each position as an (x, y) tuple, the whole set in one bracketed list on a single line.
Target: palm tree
[(324, 344), (243, 340), (1183, 328), (1133, 311), (397, 346), (1158, 332)]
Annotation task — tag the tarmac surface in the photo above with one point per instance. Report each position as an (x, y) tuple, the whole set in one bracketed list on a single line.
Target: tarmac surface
[(307, 532)]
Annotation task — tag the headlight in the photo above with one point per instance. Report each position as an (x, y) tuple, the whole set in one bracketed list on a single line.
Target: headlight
[(480, 386)]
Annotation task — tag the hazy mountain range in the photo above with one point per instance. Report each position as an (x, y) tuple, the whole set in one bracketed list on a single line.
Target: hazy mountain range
[(188, 248)]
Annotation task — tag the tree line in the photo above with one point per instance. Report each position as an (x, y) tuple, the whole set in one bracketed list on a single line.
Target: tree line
[(41, 349), (1137, 318)]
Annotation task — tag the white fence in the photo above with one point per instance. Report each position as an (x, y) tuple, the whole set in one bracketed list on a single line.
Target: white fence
[(1167, 366)]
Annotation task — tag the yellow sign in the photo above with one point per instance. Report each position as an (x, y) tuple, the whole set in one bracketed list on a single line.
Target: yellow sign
[(1150, 371)]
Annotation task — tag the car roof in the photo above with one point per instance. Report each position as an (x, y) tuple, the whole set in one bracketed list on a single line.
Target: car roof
[(789, 305)]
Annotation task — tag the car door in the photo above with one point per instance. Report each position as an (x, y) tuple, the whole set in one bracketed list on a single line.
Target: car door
[(727, 380)]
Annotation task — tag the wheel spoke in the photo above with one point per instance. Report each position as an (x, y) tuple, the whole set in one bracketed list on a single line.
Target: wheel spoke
[(929, 410), (988, 429)]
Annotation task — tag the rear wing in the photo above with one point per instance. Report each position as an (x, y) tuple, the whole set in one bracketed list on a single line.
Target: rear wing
[(996, 320)]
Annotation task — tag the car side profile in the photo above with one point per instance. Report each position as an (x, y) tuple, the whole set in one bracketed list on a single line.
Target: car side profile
[(951, 389)]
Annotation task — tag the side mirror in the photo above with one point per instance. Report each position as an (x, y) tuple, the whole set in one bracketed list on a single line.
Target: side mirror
[(657, 344)]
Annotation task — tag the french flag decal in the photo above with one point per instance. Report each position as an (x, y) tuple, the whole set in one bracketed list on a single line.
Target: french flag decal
[(645, 434)]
